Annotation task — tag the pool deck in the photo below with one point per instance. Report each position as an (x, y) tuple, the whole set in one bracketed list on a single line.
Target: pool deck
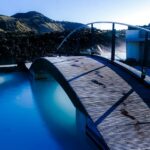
[(118, 104)]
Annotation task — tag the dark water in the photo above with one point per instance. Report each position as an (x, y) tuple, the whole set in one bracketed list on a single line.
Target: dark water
[(38, 116)]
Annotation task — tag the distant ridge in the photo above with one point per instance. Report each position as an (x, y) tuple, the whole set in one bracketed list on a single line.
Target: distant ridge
[(35, 22), (29, 14)]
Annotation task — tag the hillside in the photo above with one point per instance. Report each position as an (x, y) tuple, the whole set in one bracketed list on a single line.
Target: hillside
[(11, 24), (35, 22)]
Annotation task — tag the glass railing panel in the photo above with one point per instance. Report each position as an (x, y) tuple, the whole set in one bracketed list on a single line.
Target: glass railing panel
[(120, 42), (103, 39)]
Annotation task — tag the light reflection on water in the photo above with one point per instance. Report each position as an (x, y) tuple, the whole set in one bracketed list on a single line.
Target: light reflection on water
[(43, 121)]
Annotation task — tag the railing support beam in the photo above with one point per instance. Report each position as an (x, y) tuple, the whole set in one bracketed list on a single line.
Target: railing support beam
[(92, 37), (113, 42), (144, 59)]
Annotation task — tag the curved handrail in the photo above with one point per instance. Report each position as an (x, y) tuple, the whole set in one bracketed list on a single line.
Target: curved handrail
[(99, 22), (143, 74)]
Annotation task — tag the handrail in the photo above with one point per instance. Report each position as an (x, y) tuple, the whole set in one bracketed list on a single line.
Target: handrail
[(99, 22), (143, 72)]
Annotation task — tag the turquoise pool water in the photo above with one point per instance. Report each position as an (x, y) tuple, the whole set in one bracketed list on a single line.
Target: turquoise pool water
[(38, 116)]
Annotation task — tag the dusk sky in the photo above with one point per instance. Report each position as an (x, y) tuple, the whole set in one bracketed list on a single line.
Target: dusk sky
[(136, 12)]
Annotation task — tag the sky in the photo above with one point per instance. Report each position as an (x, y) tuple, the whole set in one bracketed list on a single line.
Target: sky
[(134, 12)]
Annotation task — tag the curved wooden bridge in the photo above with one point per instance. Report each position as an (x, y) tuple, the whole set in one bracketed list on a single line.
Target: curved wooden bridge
[(116, 102)]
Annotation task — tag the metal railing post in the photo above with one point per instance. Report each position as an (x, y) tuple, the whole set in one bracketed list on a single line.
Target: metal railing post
[(113, 42), (144, 59), (92, 38)]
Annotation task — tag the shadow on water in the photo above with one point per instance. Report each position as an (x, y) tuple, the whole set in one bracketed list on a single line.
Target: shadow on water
[(65, 123)]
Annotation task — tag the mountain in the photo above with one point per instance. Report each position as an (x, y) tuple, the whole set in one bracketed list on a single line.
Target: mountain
[(35, 22)]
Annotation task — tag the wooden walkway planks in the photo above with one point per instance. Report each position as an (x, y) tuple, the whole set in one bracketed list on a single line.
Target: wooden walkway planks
[(117, 108)]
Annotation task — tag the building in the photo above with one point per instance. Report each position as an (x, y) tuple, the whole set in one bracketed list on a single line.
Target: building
[(137, 47)]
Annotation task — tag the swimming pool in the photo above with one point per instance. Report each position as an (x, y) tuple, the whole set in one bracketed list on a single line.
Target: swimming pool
[(38, 115)]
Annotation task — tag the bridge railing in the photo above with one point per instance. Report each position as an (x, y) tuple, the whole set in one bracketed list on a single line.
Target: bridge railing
[(116, 41)]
